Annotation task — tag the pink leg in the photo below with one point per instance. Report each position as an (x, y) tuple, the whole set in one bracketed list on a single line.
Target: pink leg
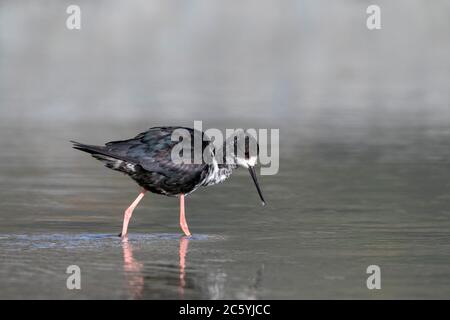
[(183, 222), (129, 212)]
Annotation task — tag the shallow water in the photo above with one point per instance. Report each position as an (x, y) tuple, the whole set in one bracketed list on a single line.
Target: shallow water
[(332, 212)]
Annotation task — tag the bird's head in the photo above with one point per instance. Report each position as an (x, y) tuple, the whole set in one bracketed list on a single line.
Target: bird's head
[(244, 153)]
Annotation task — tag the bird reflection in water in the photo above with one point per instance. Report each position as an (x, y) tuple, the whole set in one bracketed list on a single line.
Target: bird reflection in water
[(157, 280), (184, 244), (134, 273)]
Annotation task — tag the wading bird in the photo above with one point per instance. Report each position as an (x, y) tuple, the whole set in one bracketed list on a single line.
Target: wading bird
[(148, 159)]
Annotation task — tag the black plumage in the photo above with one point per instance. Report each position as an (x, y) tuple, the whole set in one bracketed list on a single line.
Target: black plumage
[(146, 158)]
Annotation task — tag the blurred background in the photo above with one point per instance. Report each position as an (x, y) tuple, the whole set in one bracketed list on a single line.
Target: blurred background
[(364, 145)]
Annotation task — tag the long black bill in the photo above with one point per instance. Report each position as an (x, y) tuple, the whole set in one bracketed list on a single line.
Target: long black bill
[(253, 174)]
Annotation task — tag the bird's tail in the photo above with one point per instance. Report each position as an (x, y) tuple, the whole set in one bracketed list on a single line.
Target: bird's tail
[(111, 160)]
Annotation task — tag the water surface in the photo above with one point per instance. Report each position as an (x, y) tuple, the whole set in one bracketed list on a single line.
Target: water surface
[(333, 211)]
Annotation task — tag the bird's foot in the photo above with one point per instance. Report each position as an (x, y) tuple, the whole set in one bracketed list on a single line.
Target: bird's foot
[(185, 230), (124, 237)]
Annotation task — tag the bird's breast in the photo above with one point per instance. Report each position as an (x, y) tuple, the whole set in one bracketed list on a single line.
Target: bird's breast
[(217, 174)]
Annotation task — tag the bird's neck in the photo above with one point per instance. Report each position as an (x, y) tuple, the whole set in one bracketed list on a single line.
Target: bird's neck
[(218, 172)]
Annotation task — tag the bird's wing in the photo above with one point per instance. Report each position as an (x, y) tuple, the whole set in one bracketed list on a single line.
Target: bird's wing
[(152, 151)]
